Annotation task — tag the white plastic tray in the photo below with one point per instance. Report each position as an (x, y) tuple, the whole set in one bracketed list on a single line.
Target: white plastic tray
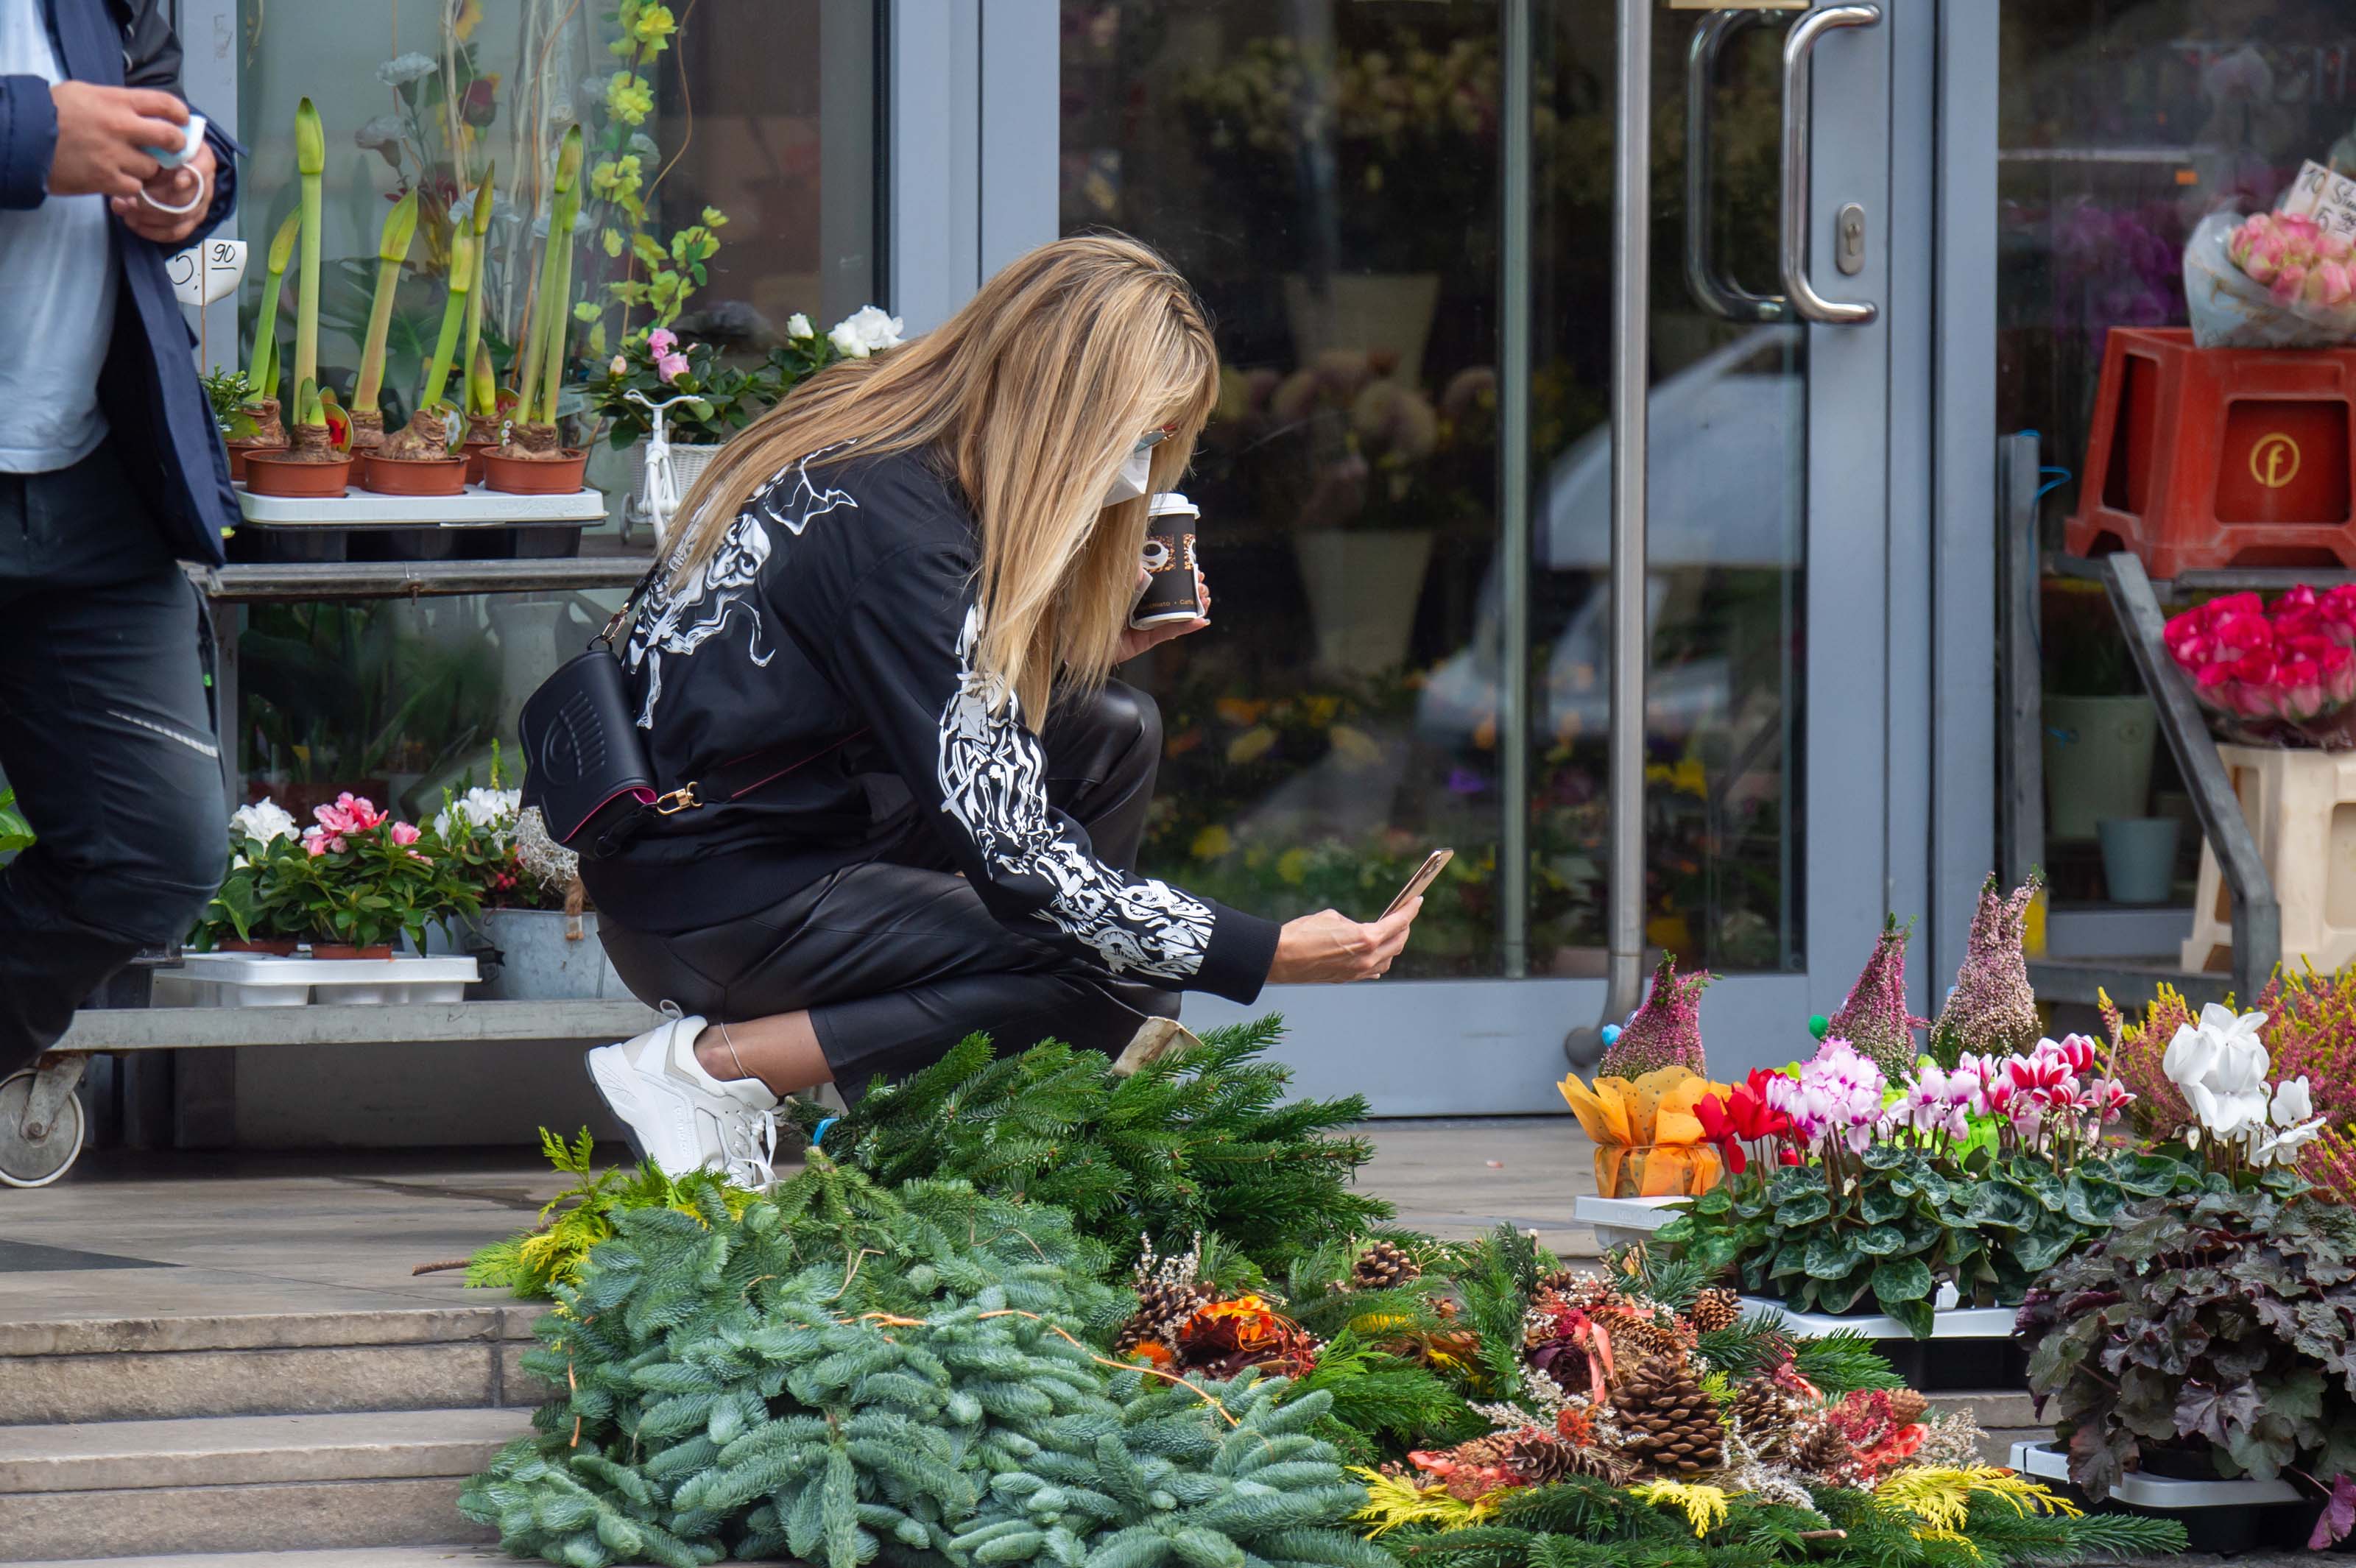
[(1948, 1321), (1619, 1221), (2047, 1463), (475, 508), (259, 980)]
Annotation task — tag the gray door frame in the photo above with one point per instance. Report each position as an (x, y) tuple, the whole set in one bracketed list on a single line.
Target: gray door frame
[(1899, 773)]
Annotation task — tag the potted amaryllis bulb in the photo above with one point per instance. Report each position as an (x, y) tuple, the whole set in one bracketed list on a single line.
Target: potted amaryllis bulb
[(533, 462), (423, 457), (392, 251), (478, 396), (268, 431), (318, 463)]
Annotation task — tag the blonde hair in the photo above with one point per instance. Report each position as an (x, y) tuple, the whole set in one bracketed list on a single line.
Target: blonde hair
[(1031, 397)]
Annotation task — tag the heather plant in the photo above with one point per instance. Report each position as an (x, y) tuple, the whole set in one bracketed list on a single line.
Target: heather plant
[(2311, 1032), (1665, 1033), (2329, 1163), (1874, 1018), (2223, 1329), (2137, 1050), (1992, 1010)]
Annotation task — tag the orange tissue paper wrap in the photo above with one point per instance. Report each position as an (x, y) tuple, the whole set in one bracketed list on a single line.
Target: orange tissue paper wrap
[(1648, 1141)]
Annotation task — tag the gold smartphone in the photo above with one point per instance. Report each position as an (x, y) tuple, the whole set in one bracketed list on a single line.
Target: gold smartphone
[(1433, 864)]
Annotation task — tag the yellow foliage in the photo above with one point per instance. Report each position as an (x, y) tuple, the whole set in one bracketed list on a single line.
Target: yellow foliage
[(1940, 1497), (1704, 1505), (1394, 1501)]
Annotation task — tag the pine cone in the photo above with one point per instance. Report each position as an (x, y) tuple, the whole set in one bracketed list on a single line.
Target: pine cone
[(1764, 1412), (1382, 1265), (1546, 1459), (1823, 1451), (1162, 1308), (1715, 1308), (1907, 1407), (1647, 1337), (1671, 1426)]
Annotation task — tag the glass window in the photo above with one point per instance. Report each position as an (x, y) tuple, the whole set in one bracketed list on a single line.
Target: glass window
[(2123, 123), (1328, 176)]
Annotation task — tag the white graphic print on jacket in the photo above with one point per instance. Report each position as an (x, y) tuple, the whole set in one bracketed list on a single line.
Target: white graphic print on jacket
[(994, 780), (677, 622)]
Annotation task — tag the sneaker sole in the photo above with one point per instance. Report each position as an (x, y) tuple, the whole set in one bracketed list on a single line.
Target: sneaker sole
[(629, 1133)]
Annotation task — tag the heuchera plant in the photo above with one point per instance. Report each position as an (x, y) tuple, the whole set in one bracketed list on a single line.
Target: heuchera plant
[(2223, 1329), (1980, 1175)]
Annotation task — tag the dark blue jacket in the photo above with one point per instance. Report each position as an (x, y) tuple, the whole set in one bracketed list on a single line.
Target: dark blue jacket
[(155, 407)]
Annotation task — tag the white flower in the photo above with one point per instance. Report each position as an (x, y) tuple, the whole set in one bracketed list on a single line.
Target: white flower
[(403, 69), (478, 808), (865, 331), (2225, 1116), (799, 325), (380, 134), (262, 822), (2273, 1146), (2292, 1102)]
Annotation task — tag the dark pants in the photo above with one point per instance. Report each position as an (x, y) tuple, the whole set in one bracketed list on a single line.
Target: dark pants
[(897, 959), (106, 734)]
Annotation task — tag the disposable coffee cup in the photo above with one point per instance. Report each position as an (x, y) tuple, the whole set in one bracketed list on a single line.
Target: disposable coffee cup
[(1170, 592)]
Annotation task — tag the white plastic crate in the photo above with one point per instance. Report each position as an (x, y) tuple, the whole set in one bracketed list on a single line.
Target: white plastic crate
[(259, 980), (1622, 1222), (2047, 1463)]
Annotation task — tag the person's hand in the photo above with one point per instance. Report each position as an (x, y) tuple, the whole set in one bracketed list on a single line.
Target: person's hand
[(1135, 641), (103, 134), (1331, 948), (171, 187)]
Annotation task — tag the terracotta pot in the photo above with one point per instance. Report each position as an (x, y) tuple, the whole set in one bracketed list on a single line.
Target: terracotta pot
[(277, 474), (274, 947), (238, 449), (346, 950), (524, 476), (413, 476), (474, 451)]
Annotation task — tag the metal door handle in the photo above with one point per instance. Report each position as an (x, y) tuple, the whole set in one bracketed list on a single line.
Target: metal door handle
[(1713, 290), (1798, 45)]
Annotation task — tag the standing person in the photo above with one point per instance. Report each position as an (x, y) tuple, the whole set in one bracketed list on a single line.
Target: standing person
[(111, 472), (894, 603)]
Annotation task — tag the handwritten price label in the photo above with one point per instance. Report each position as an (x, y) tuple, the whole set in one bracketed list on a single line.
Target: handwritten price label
[(2326, 197)]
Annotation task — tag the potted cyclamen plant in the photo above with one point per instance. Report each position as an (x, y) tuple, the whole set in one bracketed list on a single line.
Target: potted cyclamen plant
[(534, 461), (318, 463)]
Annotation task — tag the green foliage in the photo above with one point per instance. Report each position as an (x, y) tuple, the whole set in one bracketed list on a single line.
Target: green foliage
[(1382, 1404), (1905, 1228), (841, 1374), (1204, 1142), (229, 390), (1500, 1276), (16, 833), (2223, 1325), (553, 1252), (1589, 1524)]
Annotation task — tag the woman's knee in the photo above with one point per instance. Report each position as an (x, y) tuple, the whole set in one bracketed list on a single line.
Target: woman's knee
[(1132, 715)]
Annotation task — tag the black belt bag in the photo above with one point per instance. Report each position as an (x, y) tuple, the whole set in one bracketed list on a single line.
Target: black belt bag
[(585, 763)]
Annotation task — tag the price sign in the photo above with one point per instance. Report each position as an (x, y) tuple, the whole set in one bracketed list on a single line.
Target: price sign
[(2326, 197)]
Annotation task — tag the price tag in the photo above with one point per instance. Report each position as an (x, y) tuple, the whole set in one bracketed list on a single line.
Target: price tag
[(2326, 197)]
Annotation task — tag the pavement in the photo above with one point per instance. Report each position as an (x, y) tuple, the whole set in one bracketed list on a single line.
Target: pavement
[(189, 1235)]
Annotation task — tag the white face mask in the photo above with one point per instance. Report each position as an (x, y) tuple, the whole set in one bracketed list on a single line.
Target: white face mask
[(1136, 473)]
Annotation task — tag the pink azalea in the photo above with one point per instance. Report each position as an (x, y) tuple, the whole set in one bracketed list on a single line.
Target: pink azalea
[(661, 340), (671, 367), (318, 841), (404, 834)]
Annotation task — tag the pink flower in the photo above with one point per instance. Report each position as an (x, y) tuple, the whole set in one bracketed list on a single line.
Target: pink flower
[(349, 814), (404, 834), (318, 841), (671, 367), (661, 340)]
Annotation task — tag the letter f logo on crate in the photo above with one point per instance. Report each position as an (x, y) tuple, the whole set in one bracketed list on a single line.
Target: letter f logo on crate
[(2274, 460)]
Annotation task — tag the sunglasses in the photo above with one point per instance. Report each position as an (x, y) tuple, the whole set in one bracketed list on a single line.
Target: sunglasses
[(1152, 439)]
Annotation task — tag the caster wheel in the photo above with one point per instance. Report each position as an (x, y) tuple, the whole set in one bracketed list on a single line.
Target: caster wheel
[(34, 1162)]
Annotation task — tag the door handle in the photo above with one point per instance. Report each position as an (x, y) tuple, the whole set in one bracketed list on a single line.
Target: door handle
[(1799, 44), (1711, 289)]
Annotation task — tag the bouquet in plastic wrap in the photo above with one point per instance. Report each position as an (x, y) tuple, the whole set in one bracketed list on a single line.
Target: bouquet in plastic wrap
[(2283, 676), (2283, 279)]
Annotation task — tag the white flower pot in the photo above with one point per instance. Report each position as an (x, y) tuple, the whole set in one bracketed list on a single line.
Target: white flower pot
[(1363, 313), (1363, 584)]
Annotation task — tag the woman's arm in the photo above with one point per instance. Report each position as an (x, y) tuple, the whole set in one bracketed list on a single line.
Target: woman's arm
[(904, 654)]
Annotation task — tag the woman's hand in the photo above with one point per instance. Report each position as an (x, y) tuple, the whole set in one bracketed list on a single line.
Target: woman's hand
[(1333, 949), (1134, 642)]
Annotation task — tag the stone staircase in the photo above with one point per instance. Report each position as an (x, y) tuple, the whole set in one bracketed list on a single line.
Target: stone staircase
[(262, 1432)]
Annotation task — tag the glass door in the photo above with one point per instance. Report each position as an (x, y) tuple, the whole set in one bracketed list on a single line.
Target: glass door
[(1401, 216)]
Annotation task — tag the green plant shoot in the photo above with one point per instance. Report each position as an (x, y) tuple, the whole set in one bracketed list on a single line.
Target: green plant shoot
[(544, 357), (392, 251), (475, 292), (453, 311), (482, 385), (265, 326), (311, 162)]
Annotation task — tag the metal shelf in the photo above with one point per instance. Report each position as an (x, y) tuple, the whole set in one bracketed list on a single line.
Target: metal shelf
[(488, 1023), (281, 583)]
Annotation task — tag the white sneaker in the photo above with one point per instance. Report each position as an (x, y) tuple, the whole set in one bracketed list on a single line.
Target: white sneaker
[(681, 1116)]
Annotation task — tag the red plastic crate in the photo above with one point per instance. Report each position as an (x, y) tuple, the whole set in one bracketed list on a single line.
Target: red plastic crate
[(2202, 458)]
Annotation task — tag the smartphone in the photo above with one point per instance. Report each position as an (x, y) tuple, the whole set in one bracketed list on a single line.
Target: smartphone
[(1433, 864)]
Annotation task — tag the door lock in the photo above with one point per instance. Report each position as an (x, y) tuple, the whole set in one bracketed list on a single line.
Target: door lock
[(1848, 240)]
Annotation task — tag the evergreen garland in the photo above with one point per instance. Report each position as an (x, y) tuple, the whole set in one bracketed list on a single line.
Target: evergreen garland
[(1205, 1142)]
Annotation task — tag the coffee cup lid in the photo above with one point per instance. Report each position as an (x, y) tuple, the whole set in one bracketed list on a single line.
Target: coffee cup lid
[(1169, 503)]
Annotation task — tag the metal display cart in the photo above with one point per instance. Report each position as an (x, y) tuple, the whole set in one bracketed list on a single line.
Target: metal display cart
[(43, 1127)]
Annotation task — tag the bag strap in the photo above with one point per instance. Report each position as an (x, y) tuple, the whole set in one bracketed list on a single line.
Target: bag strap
[(604, 638)]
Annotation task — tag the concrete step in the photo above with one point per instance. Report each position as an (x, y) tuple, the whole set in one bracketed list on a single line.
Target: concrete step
[(237, 1484), (169, 1368), (348, 1557)]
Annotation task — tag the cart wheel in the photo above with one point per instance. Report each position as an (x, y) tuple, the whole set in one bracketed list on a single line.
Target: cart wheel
[(36, 1162)]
